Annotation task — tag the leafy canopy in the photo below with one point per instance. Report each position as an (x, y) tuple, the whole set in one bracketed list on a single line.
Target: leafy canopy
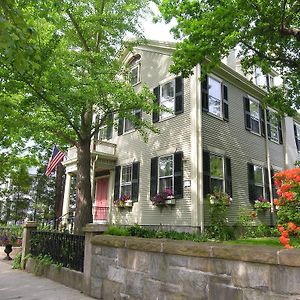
[(267, 34)]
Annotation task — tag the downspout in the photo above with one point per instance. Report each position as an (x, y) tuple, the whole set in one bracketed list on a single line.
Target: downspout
[(199, 149), (269, 160)]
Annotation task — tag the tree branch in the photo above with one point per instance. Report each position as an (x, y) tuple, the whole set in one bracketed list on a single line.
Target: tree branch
[(78, 30)]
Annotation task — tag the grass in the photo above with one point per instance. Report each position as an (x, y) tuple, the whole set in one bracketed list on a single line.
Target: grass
[(264, 241)]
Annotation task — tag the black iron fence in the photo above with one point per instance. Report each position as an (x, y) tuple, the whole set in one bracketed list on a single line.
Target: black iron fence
[(64, 248)]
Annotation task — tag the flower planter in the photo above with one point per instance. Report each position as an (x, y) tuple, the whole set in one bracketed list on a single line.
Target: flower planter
[(128, 204), (170, 201)]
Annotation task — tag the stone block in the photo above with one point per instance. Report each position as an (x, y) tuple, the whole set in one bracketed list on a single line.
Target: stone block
[(187, 248), (178, 260), (96, 250), (154, 289), (116, 274), (250, 294), (224, 292), (221, 266), (285, 280), (199, 263), (193, 283), (138, 261), (109, 252), (251, 275), (109, 241), (96, 287), (143, 244), (100, 266), (111, 290), (158, 267), (134, 282), (265, 255), (289, 257)]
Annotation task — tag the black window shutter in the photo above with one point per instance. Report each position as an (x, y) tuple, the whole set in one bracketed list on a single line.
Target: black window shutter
[(262, 121), (206, 173), (109, 129), (120, 127), (279, 131), (155, 114), (247, 113), (135, 181), (267, 186), (178, 95), (296, 138), (117, 182), (225, 103), (273, 184), (228, 177), (268, 124), (153, 176), (204, 94), (251, 187), (178, 175)]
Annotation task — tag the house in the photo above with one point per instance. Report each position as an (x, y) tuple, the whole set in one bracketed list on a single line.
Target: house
[(214, 135)]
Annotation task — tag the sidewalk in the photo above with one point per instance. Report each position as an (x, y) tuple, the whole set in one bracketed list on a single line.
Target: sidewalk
[(17, 284)]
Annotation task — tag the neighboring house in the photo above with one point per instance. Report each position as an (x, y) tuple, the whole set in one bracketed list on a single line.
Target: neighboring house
[(214, 135)]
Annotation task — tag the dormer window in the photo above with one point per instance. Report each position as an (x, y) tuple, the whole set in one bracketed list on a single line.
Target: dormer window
[(135, 69)]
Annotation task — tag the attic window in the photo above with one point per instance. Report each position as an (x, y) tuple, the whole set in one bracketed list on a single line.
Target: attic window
[(135, 69)]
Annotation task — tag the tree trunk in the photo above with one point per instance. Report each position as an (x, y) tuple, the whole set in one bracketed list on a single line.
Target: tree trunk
[(59, 193), (83, 212)]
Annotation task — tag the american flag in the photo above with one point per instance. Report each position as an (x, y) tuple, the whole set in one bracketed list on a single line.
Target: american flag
[(54, 160)]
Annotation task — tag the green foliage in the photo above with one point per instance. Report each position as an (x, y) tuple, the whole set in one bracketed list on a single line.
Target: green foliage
[(267, 35), (12, 234), (139, 231), (218, 210), (42, 262), (17, 261)]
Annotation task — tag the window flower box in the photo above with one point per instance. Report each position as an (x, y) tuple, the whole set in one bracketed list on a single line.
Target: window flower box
[(170, 201), (123, 201), (163, 199)]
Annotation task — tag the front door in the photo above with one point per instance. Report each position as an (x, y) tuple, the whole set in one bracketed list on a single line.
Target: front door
[(101, 203)]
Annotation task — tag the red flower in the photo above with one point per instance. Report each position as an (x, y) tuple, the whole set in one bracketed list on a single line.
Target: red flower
[(291, 226), (283, 240), (285, 233), (288, 195), (287, 246), (285, 187)]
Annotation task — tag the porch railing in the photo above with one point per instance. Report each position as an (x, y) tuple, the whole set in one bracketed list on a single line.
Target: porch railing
[(100, 213), (64, 248)]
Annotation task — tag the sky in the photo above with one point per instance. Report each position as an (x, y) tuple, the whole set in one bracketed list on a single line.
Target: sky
[(158, 31)]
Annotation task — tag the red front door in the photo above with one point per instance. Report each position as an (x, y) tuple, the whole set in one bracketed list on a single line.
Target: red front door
[(101, 207)]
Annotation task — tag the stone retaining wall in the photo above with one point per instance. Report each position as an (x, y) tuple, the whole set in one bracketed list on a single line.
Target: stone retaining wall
[(68, 277), (135, 268)]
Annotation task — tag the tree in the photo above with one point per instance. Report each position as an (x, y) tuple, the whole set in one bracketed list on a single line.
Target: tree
[(267, 34), (61, 61)]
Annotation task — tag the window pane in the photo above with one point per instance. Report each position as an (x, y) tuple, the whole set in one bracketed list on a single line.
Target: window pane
[(214, 106), (166, 166), (255, 125), (216, 166), (126, 190), (102, 133), (165, 183), (298, 132), (134, 75), (216, 184), (214, 88), (254, 109), (128, 125), (258, 192), (126, 174), (258, 176), (167, 90)]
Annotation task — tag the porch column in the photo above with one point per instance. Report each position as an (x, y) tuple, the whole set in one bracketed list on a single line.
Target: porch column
[(66, 203)]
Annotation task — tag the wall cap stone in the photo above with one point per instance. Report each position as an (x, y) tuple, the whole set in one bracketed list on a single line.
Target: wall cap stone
[(248, 253)]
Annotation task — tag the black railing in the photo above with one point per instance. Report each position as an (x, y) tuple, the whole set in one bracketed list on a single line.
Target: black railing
[(100, 213), (64, 248)]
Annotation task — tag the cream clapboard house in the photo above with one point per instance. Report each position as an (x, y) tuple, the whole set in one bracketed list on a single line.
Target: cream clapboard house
[(217, 135)]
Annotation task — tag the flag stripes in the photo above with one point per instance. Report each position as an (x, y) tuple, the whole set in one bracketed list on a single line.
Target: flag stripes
[(55, 159)]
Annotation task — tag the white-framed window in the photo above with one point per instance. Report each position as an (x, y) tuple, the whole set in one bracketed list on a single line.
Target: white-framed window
[(166, 173), (273, 126), (297, 135), (215, 96), (217, 175), (167, 99), (259, 189), (102, 134), (255, 116), (135, 70), (126, 180)]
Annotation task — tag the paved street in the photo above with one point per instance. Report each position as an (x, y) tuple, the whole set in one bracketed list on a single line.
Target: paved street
[(16, 284)]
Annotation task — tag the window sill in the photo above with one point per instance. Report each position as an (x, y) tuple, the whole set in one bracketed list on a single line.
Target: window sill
[(215, 116), (168, 118), (128, 132), (137, 83)]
